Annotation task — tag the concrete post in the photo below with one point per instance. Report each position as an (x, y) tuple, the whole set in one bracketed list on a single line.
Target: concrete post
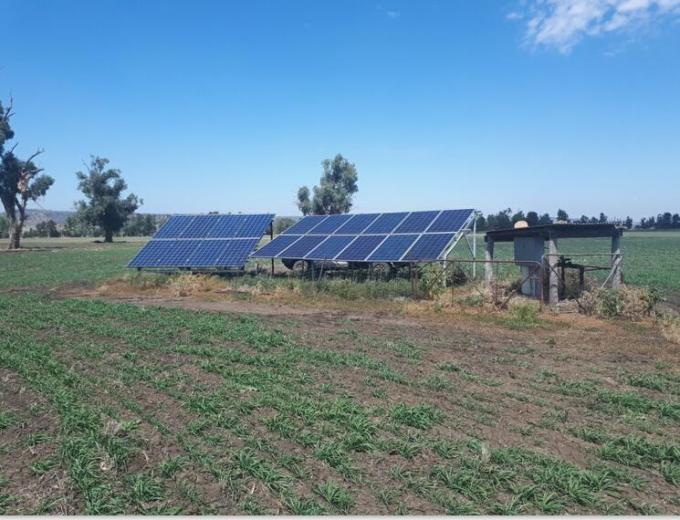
[(488, 256), (554, 293), (616, 260)]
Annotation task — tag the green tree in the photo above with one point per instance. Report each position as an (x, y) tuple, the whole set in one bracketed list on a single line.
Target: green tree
[(21, 181), (629, 223), (544, 220), (46, 228), (562, 216), (335, 190), (532, 218), (104, 207), (282, 223), (518, 216), (140, 226)]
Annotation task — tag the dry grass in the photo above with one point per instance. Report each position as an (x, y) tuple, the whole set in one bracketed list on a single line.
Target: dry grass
[(670, 328)]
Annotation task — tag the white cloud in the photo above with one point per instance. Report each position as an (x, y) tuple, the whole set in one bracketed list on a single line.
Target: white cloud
[(561, 24), (393, 14)]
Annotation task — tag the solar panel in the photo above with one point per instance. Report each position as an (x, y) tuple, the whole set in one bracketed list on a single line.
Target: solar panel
[(393, 248), (330, 247), (362, 247), (450, 221), (386, 223), (429, 247), (303, 226), (330, 224), (357, 224), (301, 247), (203, 241), (373, 237), (199, 226), (174, 227), (417, 222)]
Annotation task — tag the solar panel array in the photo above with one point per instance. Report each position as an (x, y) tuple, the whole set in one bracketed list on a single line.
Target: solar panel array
[(203, 242), (416, 236)]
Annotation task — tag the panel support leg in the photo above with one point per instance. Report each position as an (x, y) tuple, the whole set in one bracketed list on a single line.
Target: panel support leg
[(554, 284)]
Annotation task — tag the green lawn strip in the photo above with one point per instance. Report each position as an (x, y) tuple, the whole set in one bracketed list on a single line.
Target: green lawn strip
[(62, 266)]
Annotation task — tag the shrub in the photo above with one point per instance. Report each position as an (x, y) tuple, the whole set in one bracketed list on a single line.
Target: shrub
[(525, 314), (433, 280), (626, 302)]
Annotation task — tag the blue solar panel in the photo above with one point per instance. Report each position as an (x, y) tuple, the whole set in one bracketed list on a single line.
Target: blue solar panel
[(253, 226), (393, 248), (274, 248), (208, 253), (237, 252), (330, 247), (330, 224), (151, 253), (377, 237), (450, 220), (174, 226), (429, 247), (203, 241), (199, 226), (417, 222), (303, 246), (304, 225), (357, 224), (385, 223), (178, 254), (362, 247)]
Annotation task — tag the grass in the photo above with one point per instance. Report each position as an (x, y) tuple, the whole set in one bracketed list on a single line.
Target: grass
[(238, 410), (161, 410), (652, 259), (67, 261)]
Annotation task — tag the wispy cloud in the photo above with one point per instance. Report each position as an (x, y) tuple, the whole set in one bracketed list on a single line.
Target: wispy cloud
[(393, 14), (561, 24)]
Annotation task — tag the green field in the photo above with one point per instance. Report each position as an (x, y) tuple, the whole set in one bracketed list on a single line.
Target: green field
[(650, 259), (116, 408)]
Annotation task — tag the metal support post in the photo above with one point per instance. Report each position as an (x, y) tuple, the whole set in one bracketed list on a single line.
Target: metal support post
[(554, 286)]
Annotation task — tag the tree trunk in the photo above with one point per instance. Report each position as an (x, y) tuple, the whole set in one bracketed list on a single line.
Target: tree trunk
[(108, 235), (14, 234)]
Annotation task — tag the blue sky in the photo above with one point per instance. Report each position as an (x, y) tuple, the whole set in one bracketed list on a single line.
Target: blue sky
[(231, 106)]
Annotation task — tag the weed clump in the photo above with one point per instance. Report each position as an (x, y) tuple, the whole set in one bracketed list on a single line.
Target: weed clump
[(626, 302), (421, 416), (190, 284), (670, 328)]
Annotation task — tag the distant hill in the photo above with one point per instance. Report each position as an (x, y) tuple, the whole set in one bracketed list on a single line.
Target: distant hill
[(35, 216)]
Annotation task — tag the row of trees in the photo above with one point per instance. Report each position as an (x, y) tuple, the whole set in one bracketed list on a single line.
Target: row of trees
[(104, 209), (665, 220), (507, 219)]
